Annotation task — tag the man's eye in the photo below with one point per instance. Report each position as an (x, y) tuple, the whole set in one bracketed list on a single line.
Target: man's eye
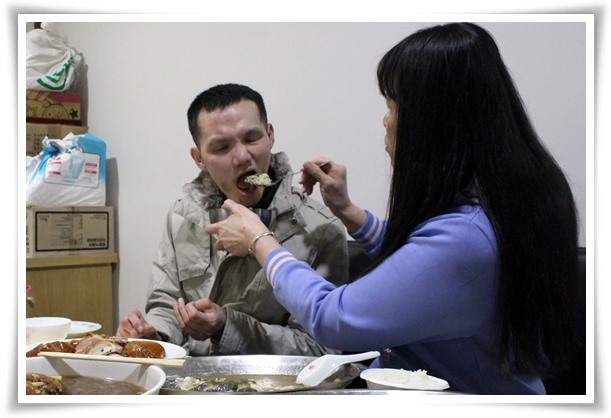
[(252, 139), (219, 148)]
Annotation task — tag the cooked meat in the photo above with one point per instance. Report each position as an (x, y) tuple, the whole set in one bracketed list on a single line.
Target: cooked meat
[(54, 346), (42, 384), (146, 349)]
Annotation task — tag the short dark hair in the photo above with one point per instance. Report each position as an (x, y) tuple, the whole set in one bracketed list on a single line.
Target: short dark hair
[(219, 97)]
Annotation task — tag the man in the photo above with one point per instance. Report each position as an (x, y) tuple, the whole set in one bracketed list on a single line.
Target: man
[(213, 303)]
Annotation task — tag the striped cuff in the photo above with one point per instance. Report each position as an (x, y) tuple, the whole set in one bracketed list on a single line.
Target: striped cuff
[(274, 261), (369, 234)]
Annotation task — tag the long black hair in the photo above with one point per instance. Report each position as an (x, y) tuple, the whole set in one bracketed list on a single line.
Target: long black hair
[(462, 125)]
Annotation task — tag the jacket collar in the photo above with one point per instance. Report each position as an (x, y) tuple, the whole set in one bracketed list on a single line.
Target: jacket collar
[(207, 194)]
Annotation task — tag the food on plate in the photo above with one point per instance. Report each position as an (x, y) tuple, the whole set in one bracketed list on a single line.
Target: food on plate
[(41, 384), (402, 379), (262, 179), (102, 345), (54, 346), (146, 349), (217, 384), (234, 383)]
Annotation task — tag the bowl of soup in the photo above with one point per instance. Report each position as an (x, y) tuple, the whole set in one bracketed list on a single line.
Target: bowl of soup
[(92, 377)]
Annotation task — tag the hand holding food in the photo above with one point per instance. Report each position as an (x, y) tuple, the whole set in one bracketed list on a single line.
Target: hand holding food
[(332, 178)]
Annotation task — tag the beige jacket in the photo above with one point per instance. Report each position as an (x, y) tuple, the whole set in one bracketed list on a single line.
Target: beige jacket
[(187, 266)]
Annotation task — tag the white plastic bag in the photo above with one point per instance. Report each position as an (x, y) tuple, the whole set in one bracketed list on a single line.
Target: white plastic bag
[(50, 64), (68, 172)]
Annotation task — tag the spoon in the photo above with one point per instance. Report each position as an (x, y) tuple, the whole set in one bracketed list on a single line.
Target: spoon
[(321, 368), (321, 165), (278, 180)]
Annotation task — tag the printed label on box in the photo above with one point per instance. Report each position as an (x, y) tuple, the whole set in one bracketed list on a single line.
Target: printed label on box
[(64, 231)]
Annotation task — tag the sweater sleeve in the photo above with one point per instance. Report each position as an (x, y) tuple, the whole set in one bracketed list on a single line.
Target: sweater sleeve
[(434, 287), (369, 236)]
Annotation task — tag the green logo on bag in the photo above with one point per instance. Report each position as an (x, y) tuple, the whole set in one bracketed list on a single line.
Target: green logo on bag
[(57, 80)]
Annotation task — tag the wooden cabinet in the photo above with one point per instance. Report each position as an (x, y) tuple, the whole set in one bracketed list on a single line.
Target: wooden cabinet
[(78, 287)]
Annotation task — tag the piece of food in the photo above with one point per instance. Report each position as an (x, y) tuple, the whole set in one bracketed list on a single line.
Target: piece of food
[(262, 179), (143, 349), (42, 384), (233, 383), (53, 346), (102, 345), (217, 384)]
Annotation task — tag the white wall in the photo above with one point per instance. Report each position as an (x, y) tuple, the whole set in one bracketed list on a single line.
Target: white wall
[(318, 80)]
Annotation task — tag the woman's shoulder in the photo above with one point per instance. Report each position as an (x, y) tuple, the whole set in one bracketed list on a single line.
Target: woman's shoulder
[(459, 225), (459, 238)]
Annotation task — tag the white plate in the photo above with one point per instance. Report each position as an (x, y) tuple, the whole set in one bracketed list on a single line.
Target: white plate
[(402, 379), (80, 328), (171, 350)]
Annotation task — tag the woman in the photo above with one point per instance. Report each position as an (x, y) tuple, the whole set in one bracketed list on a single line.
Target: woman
[(473, 273)]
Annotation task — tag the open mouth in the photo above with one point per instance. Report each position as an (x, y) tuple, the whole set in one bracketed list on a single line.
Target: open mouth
[(242, 185)]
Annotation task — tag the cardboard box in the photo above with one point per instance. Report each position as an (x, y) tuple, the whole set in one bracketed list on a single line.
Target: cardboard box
[(53, 107), (69, 230), (36, 132)]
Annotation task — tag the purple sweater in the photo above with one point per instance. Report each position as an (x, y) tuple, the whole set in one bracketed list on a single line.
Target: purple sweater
[(431, 305)]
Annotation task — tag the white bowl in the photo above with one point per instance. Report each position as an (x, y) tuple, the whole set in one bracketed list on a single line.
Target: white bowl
[(402, 379), (151, 378), (47, 328)]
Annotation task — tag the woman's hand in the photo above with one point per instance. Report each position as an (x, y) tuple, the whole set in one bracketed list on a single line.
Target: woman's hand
[(237, 231), (332, 178)]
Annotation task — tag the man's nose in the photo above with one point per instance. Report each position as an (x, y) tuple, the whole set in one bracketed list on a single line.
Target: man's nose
[(241, 155)]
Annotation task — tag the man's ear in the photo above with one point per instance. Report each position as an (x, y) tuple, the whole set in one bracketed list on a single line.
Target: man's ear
[(270, 133), (197, 157)]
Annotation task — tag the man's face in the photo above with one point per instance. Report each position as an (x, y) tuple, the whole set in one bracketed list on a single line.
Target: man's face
[(234, 143)]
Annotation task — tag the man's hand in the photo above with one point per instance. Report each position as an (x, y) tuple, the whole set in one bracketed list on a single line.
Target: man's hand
[(133, 325), (200, 319)]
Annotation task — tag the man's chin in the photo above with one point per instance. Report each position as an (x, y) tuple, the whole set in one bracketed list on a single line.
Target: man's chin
[(248, 199)]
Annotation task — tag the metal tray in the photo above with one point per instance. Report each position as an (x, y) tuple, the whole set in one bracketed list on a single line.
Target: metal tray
[(279, 371)]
